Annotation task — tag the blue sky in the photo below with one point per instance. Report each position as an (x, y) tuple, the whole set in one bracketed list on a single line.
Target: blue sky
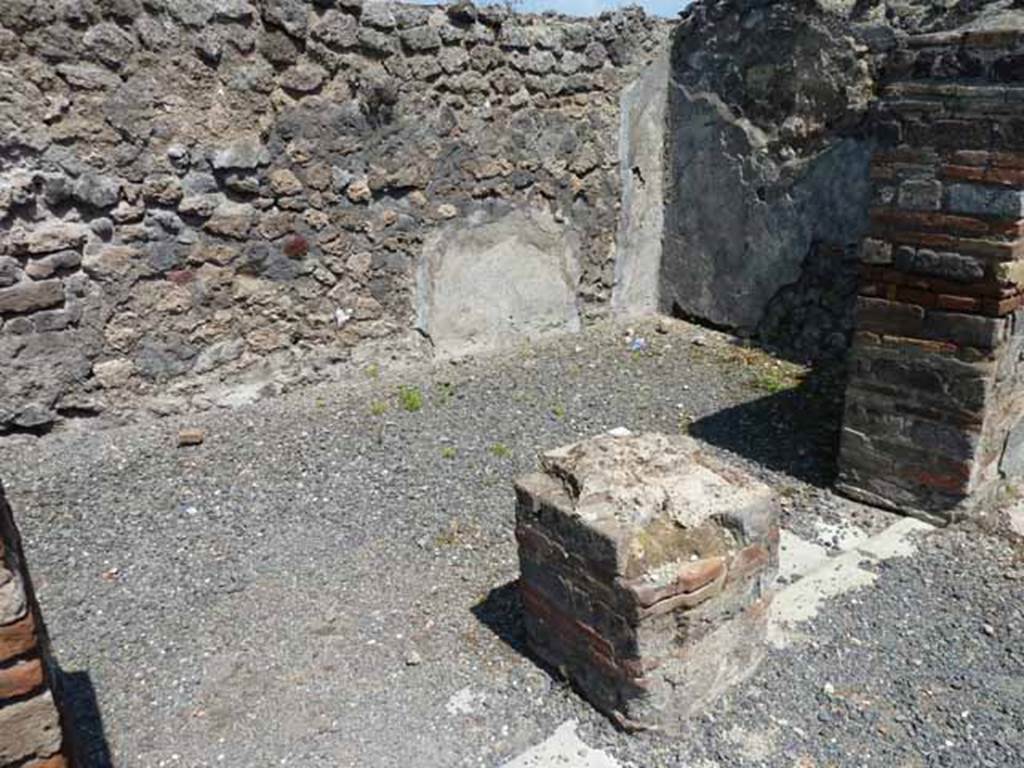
[(667, 8)]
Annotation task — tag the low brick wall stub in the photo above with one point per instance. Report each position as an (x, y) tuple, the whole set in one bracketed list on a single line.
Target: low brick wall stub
[(31, 734), (935, 392), (645, 572)]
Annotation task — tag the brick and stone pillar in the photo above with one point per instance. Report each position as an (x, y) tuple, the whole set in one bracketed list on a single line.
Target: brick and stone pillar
[(30, 724), (935, 399), (646, 568)]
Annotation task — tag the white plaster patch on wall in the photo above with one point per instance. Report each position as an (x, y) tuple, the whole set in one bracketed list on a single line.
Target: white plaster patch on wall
[(642, 218), (486, 283)]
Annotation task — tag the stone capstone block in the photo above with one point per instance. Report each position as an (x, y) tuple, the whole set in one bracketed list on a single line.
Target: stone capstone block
[(645, 573)]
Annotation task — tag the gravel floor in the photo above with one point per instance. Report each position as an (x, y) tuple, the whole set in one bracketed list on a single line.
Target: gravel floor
[(327, 580)]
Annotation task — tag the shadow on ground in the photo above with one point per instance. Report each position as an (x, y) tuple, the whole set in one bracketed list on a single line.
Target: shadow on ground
[(794, 431), (85, 723), (501, 612)]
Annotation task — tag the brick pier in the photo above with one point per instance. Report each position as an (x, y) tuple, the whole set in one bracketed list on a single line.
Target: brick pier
[(30, 724), (935, 401), (645, 573)]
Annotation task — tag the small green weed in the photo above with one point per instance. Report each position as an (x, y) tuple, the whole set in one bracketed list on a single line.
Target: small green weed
[(448, 452), (373, 371), (772, 381), (378, 407), (501, 450), (410, 399), (684, 422), (444, 392)]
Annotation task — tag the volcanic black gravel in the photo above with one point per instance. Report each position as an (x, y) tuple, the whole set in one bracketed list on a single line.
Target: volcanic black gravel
[(328, 580)]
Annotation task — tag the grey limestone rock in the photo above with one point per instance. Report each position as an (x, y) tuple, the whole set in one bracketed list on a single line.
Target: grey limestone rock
[(336, 30), (111, 44), (290, 15), (421, 38), (246, 153), (378, 15), (9, 271), (96, 190)]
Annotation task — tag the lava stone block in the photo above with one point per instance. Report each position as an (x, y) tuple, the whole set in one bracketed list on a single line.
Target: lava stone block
[(645, 572)]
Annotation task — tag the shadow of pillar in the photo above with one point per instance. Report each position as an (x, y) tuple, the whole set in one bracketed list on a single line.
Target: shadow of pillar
[(794, 431), (84, 722), (41, 707)]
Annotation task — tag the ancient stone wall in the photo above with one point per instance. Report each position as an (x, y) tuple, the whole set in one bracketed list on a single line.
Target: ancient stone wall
[(935, 404), (204, 201), (769, 145), (30, 725), (768, 175)]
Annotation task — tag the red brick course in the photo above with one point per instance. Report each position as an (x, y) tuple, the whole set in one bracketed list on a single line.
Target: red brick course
[(21, 678), (30, 721), (18, 638), (935, 365)]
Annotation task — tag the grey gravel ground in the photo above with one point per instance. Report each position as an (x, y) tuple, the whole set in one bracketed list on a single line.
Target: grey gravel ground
[(322, 584)]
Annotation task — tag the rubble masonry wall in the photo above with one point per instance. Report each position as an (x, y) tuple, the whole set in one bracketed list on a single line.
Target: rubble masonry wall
[(208, 201)]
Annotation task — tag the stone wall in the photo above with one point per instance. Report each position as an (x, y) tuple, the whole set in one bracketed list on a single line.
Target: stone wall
[(936, 394), (769, 146), (202, 202), (30, 724), (767, 170)]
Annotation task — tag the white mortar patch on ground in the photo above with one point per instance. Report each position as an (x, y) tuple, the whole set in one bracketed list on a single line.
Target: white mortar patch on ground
[(563, 749), (844, 536), (797, 556), (830, 576), (464, 701)]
